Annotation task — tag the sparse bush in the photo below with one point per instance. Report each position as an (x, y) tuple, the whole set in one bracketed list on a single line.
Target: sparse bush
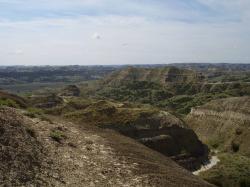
[(232, 171), (9, 103), (33, 112), (57, 135), (235, 146)]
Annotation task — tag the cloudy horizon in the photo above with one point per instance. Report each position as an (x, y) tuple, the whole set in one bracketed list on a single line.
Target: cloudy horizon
[(89, 32)]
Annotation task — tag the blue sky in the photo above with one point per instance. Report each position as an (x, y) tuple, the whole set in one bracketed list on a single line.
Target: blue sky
[(59, 32)]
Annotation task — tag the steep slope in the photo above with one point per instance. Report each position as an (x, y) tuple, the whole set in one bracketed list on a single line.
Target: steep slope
[(224, 123), (21, 154), (39, 153), (154, 128)]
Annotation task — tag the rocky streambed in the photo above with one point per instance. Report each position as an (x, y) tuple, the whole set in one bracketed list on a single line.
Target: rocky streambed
[(210, 164)]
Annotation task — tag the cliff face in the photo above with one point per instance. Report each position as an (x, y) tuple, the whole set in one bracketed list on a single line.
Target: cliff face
[(156, 129), (223, 123), (32, 155)]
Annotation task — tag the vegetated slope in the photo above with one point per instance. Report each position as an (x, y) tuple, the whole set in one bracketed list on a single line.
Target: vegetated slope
[(39, 153), (225, 125), (170, 88), (12, 100), (152, 127), (161, 76)]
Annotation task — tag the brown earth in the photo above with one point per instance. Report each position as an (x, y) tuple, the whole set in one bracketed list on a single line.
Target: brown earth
[(40, 153), (156, 129)]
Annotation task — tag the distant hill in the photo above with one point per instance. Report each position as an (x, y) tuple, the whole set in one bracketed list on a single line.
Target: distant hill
[(23, 79), (162, 76), (170, 88)]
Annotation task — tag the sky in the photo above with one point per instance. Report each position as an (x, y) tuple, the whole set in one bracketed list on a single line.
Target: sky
[(98, 32)]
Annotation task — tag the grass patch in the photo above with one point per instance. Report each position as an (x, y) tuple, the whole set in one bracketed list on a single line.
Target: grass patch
[(232, 171), (57, 135), (33, 112), (9, 103)]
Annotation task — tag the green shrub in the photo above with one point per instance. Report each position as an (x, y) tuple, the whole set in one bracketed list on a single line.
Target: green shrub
[(233, 170), (235, 146), (57, 135), (33, 112), (9, 103)]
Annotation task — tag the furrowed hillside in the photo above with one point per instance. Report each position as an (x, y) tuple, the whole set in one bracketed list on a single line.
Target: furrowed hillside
[(224, 125), (170, 88)]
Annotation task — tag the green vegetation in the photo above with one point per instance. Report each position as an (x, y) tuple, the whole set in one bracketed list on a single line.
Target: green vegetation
[(23, 79), (177, 90), (12, 100), (134, 100), (232, 171), (9, 103), (57, 135), (33, 112)]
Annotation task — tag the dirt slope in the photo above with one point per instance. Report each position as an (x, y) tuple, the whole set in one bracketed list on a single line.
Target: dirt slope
[(152, 127), (39, 153)]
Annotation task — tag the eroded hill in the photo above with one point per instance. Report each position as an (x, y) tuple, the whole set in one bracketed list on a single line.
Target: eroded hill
[(150, 126), (41, 153), (225, 125), (170, 88)]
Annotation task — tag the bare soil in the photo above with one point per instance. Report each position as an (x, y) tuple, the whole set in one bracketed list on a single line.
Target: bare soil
[(41, 153)]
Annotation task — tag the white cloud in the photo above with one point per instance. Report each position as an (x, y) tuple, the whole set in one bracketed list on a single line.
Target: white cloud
[(19, 52), (96, 36), (126, 38), (16, 52)]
